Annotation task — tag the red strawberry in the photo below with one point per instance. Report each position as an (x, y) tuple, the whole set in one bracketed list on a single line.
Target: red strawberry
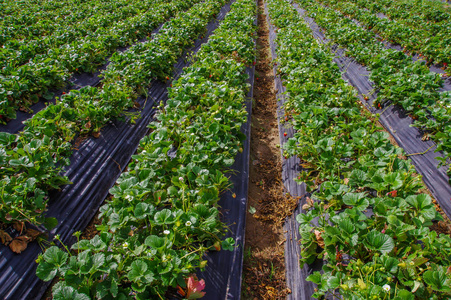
[(393, 193), (217, 246), (284, 134)]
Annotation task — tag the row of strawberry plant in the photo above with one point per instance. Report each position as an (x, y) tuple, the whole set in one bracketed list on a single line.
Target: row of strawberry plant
[(433, 41), (32, 160), (22, 14), (434, 11), (366, 219), (23, 85), (22, 42), (164, 216), (398, 79)]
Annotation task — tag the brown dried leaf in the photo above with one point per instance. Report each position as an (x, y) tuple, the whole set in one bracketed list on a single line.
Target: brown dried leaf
[(319, 239), (32, 233), (306, 207), (19, 226), (19, 244), (5, 237), (309, 204)]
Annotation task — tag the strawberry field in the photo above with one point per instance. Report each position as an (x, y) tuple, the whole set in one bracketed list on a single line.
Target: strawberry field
[(139, 113)]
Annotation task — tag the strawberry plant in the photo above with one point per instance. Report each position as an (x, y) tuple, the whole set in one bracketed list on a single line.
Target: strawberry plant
[(85, 111), (163, 215), (23, 84), (416, 35), (366, 219), (399, 80)]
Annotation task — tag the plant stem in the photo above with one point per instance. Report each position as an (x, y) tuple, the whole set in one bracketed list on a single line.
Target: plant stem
[(421, 153)]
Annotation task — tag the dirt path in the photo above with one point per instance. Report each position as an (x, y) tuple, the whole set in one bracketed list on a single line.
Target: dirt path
[(264, 262)]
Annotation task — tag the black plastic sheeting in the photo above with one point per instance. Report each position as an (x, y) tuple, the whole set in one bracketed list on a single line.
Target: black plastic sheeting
[(397, 123), (94, 169), (224, 268), (295, 276)]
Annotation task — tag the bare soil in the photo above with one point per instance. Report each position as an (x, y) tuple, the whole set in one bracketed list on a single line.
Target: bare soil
[(268, 205)]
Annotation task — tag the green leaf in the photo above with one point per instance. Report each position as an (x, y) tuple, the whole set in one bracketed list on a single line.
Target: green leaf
[(99, 243), (48, 96), (85, 262), (6, 138), (162, 134), (137, 287), (357, 200), (102, 289), (394, 180), (419, 261), (46, 271), (390, 264), (416, 284), (114, 288), (347, 226), (55, 256), (333, 282), (214, 128), (172, 191), (98, 260), (404, 295), (138, 269), (358, 177), (379, 241), (154, 241), (437, 279), (228, 244), (141, 210), (419, 201), (81, 245), (315, 277), (63, 292), (50, 223), (229, 161), (164, 217)]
